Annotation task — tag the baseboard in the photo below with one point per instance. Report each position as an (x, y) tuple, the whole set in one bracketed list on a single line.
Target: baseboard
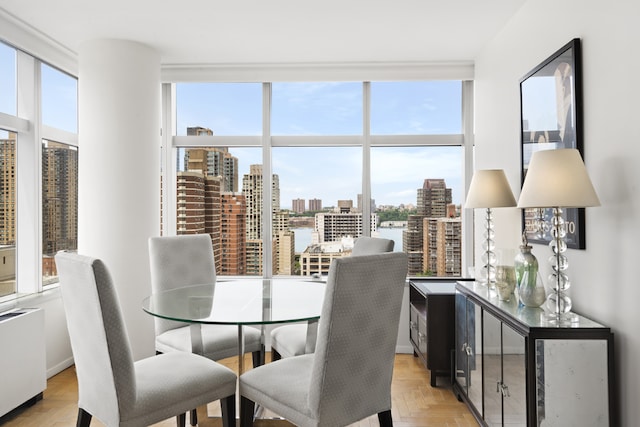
[(59, 367), (404, 349)]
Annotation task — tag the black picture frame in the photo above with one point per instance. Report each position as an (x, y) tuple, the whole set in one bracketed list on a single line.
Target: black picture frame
[(551, 118)]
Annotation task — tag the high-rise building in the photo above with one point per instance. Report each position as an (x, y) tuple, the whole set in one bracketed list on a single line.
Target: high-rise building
[(252, 189), (297, 205), (215, 162), (433, 201), (233, 235), (433, 198), (212, 215), (332, 227), (199, 131), (443, 246), (59, 202), (449, 247), (190, 203), (286, 252), (285, 243), (199, 208), (315, 205), (8, 190), (8, 214), (344, 206)]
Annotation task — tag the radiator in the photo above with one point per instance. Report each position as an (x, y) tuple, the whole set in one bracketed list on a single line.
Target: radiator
[(22, 357)]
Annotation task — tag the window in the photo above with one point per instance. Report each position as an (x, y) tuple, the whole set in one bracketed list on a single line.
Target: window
[(324, 165), (59, 204), (26, 141), (319, 108), (418, 193), (8, 218), (8, 90), (59, 99), (328, 183), (219, 192), (223, 108), (416, 108)]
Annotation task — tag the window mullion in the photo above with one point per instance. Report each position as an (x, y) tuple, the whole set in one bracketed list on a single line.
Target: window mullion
[(366, 159), (28, 170), (267, 182)]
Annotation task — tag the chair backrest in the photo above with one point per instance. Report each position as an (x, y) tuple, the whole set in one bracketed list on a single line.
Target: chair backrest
[(178, 261), (357, 338), (371, 245), (99, 341)]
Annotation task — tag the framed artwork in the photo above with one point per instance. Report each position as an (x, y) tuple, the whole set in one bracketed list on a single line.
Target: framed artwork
[(551, 118)]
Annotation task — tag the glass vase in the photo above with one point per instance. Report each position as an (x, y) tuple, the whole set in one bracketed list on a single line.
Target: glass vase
[(528, 282)]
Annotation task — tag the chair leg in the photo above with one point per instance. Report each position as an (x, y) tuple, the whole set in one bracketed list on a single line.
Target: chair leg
[(256, 356), (84, 418), (247, 408), (194, 417), (275, 355), (181, 420), (228, 406), (384, 418)]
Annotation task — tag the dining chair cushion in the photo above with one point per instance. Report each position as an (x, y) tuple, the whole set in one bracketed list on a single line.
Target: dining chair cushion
[(173, 383), (219, 341), (283, 387), (289, 340)]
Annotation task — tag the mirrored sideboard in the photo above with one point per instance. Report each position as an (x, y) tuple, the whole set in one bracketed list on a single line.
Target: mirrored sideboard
[(514, 368)]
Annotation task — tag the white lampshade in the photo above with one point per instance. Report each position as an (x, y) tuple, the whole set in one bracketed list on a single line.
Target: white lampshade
[(557, 178), (489, 189)]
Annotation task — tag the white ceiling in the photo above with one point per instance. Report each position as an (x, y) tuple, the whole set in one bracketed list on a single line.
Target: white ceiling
[(277, 31)]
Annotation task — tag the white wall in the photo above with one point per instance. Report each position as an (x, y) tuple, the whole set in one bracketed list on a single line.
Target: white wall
[(604, 280)]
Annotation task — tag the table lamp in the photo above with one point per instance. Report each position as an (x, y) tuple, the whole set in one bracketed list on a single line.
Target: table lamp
[(558, 179), (489, 189)]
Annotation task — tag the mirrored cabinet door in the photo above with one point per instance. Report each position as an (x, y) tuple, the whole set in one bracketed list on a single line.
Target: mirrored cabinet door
[(571, 382), (492, 357), (462, 366), (474, 312), (514, 380)]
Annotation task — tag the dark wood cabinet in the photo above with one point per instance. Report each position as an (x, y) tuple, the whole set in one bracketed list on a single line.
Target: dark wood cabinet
[(432, 323)]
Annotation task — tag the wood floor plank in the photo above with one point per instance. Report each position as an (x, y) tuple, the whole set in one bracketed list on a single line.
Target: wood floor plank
[(414, 402)]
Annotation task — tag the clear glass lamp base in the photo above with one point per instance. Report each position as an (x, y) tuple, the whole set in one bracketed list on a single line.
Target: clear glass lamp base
[(561, 319)]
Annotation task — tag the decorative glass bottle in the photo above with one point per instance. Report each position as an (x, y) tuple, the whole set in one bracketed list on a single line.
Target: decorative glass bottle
[(529, 285)]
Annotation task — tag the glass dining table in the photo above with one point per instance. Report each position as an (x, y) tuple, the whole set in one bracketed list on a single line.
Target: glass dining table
[(241, 302)]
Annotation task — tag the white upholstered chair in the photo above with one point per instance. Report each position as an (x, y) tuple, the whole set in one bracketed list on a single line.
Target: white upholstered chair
[(111, 386), (337, 385), (185, 260), (294, 340)]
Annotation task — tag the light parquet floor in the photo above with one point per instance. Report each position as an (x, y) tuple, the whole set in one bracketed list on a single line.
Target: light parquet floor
[(415, 402)]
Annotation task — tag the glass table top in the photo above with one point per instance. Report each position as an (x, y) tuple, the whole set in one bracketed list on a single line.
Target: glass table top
[(240, 302)]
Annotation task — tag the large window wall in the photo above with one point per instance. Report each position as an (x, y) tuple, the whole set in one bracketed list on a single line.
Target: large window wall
[(38, 150), (288, 165)]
